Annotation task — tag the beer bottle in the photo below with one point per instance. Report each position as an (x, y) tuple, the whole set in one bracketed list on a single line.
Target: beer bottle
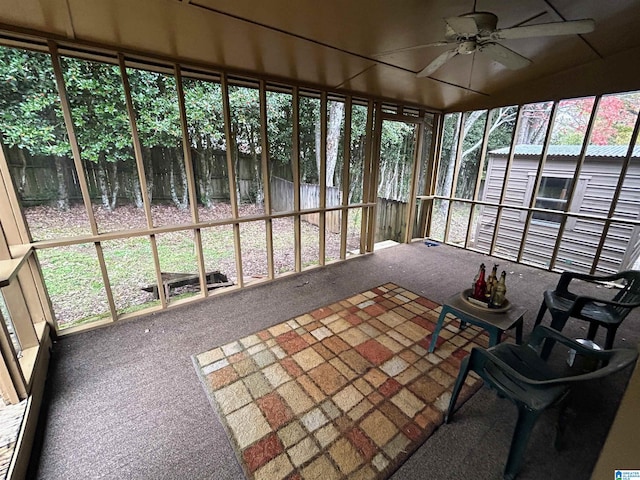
[(492, 281), (501, 291)]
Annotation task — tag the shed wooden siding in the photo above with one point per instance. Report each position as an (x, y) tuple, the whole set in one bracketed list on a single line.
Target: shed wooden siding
[(581, 237)]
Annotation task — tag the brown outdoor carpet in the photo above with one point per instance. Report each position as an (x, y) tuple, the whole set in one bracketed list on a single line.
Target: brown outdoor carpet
[(345, 391)]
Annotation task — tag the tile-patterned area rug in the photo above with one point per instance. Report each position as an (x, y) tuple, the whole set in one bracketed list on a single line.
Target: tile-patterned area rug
[(345, 391)]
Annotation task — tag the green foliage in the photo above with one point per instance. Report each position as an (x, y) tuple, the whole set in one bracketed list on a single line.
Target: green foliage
[(32, 120), (280, 127), (155, 100), (203, 104), (96, 97), (30, 113)]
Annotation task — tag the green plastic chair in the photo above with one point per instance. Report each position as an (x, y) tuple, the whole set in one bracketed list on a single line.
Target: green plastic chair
[(518, 372), (600, 312)]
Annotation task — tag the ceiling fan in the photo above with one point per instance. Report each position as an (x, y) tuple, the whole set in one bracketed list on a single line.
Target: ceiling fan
[(477, 32)]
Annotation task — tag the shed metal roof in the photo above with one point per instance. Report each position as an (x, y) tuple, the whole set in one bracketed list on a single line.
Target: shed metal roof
[(571, 150)]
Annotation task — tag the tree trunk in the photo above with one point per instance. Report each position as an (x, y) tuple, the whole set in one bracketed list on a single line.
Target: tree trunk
[(115, 185), (137, 192), (448, 187), (336, 113), (381, 179), (180, 201), (23, 171), (62, 202), (317, 138), (147, 160), (203, 177), (168, 160), (236, 152), (183, 179), (102, 182), (214, 169)]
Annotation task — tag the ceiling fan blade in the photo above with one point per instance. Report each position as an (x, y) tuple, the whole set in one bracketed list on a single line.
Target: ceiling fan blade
[(545, 30), (504, 55), (407, 49), (464, 26), (437, 63)]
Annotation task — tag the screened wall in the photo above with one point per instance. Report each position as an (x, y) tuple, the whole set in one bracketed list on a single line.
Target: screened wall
[(141, 185), (553, 185)]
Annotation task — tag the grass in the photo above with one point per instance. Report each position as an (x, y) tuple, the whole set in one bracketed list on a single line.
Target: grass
[(459, 221), (73, 276)]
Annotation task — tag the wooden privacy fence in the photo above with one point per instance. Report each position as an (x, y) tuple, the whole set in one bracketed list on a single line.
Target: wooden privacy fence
[(37, 177), (391, 219), (282, 201)]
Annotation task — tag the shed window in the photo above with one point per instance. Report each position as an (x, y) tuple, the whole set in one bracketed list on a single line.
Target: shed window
[(552, 195)]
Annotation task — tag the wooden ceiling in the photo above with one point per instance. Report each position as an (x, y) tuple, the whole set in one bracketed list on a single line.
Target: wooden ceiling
[(333, 43)]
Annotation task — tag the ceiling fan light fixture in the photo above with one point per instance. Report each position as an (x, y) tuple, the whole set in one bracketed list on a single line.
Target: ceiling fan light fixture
[(466, 48)]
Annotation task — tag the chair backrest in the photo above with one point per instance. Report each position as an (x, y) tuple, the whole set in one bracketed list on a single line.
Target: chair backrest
[(618, 359), (630, 293)]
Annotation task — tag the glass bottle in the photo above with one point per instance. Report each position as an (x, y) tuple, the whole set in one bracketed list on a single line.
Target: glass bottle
[(500, 291), (475, 279), (480, 287), (492, 281)]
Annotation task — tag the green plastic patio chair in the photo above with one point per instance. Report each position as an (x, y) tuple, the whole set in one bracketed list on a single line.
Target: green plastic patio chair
[(517, 372), (600, 312)]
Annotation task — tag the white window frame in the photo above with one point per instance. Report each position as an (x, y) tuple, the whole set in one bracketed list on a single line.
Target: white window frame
[(578, 196)]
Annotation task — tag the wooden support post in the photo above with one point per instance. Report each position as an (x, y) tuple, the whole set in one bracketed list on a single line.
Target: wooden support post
[(266, 178), (230, 141), (375, 169), (417, 155), (434, 167), (456, 172), (507, 173), (82, 180), (322, 174), (191, 184), (137, 149), (73, 141), (534, 193), (11, 376), (614, 201), (366, 178), (295, 159), (576, 177), (476, 189), (346, 180)]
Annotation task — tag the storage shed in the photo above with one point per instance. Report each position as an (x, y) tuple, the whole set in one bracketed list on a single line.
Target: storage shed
[(594, 200)]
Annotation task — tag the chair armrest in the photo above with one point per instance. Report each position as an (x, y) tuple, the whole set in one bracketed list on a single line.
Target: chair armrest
[(542, 332), (566, 277), (625, 357), (581, 301)]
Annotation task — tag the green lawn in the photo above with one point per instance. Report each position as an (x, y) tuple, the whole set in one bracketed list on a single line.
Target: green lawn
[(75, 285)]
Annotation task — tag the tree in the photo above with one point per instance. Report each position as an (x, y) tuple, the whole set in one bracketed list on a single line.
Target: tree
[(534, 122), (244, 104), (613, 124), (203, 105), (397, 141), (155, 100), (30, 113), (280, 133), (96, 99), (500, 131), (357, 152), (335, 115)]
